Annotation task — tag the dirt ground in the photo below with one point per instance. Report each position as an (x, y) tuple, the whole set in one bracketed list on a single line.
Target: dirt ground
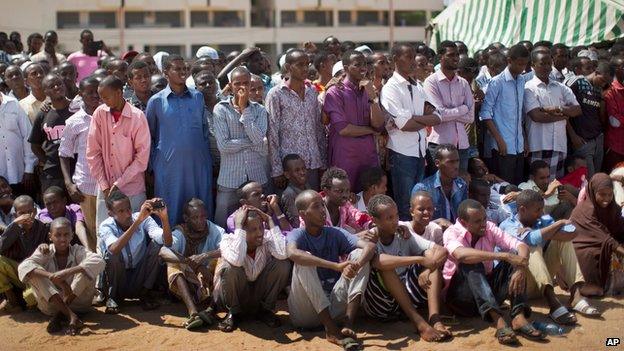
[(135, 329)]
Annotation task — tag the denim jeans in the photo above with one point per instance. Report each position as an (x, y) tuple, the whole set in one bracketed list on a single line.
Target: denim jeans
[(472, 292), (405, 172)]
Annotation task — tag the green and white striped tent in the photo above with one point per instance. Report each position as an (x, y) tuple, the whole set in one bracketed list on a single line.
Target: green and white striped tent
[(572, 22)]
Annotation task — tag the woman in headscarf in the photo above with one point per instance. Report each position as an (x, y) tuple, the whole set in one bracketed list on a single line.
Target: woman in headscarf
[(600, 232)]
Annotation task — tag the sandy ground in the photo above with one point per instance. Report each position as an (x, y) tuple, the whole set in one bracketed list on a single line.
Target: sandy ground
[(135, 329)]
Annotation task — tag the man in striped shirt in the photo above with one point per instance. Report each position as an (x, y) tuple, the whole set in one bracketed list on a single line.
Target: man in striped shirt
[(406, 273), (240, 128), (81, 186)]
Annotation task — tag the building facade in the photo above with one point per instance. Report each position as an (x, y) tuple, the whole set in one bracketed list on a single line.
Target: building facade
[(182, 26)]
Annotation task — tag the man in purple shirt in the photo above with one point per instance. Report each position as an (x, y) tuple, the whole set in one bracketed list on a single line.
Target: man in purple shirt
[(355, 118), (452, 97)]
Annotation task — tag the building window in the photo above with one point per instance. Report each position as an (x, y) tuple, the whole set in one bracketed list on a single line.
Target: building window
[(372, 18), (102, 20), (67, 19), (344, 18), (261, 17), (318, 18), (228, 19), (289, 18), (410, 18), (139, 19), (168, 19), (228, 48), (200, 19)]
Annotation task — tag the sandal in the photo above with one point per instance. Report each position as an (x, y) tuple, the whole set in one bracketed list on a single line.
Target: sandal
[(194, 322), (228, 324), (528, 331), (506, 336), (349, 344), (583, 307), (56, 324), (111, 307), (207, 316), (562, 316), (446, 334), (74, 329)]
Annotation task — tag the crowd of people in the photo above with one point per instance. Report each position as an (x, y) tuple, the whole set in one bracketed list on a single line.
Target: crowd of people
[(350, 180)]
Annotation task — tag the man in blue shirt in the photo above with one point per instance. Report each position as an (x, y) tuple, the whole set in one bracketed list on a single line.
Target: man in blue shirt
[(130, 243), (446, 187), (180, 157), (552, 253), (325, 288), (502, 113)]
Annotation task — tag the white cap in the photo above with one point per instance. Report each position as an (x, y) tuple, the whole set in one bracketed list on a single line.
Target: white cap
[(592, 55), (159, 57), (207, 51), (282, 60), (25, 65), (337, 68), (364, 49)]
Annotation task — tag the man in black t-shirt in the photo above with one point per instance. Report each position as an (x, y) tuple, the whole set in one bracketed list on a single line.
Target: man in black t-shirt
[(47, 131), (585, 132)]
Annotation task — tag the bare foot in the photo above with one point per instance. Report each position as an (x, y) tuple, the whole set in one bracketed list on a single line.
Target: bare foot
[(441, 328), (429, 334)]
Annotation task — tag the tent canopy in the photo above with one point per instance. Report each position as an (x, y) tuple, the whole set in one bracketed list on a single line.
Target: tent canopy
[(572, 22)]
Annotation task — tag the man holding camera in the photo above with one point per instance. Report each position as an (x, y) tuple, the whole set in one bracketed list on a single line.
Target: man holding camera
[(130, 243), (86, 59)]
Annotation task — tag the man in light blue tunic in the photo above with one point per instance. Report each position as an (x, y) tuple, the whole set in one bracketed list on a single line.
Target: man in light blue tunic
[(180, 157)]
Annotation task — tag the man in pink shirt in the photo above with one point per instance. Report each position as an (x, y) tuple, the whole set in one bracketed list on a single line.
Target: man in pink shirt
[(452, 97), (86, 59), (118, 147), (474, 286)]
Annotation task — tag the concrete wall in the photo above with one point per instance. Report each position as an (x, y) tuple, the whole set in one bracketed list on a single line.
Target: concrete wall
[(40, 15)]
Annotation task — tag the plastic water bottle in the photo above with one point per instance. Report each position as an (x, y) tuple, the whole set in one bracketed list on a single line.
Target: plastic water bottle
[(548, 328)]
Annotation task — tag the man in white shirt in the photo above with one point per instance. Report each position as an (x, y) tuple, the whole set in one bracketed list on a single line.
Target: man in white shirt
[(17, 160), (548, 105), (254, 269), (404, 100)]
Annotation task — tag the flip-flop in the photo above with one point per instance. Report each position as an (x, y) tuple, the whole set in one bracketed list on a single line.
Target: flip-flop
[(207, 316), (527, 331), (349, 344), (55, 325), (583, 307), (111, 307), (194, 322), (228, 324), (562, 316), (506, 336), (74, 329)]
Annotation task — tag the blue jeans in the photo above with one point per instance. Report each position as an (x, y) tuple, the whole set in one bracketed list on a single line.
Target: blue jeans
[(405, 172)]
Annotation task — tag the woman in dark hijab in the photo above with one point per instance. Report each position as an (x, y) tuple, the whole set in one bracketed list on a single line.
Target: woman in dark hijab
[(600, 232)]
